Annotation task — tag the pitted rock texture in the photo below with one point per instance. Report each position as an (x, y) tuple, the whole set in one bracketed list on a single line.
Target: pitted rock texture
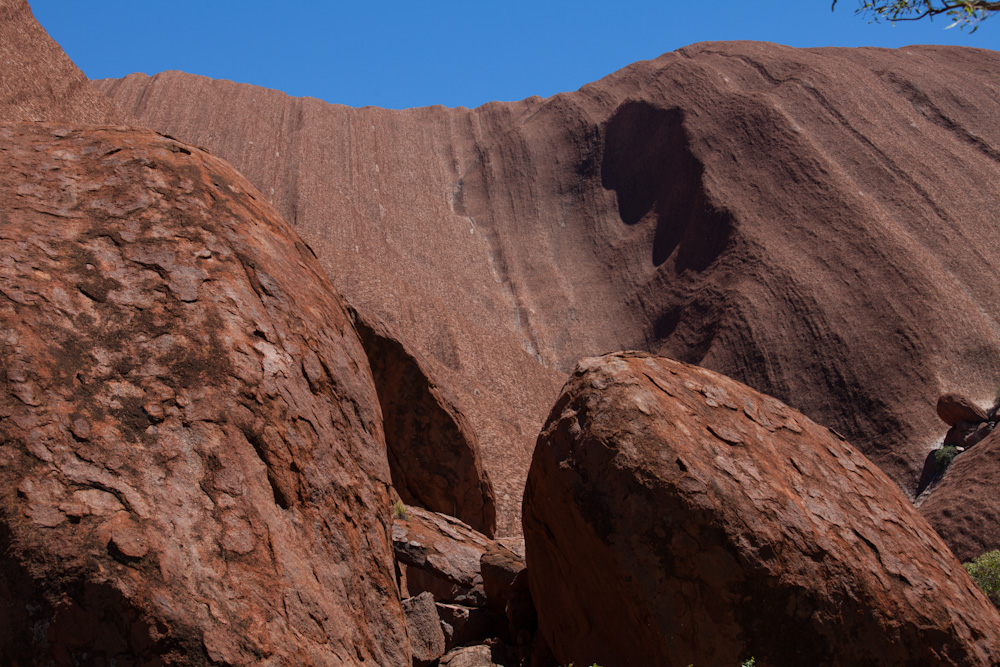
[(434, 454), (798, 219), (964, 507), (674, 516), (38, 82), (192, 465)]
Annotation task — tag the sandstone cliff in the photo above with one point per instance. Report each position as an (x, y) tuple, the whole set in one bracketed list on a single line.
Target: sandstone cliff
[(817, 223), (39, 81)]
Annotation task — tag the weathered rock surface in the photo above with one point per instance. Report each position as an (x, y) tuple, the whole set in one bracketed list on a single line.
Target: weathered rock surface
[(192, 466), (434, 454), (954, 409), (470, 656), (799, 219), (499, 568), (964, 507), (38, 81), (470, 625), (674, 516), (443, 556), (424, 629), (471, 577)]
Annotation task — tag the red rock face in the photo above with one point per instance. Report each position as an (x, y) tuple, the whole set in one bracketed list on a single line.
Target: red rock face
[(800, 220), (964, 507), (39, 81), (674, 516), (192, 465), (376, 194)]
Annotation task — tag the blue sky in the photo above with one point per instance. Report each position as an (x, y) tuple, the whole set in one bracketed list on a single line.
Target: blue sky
[(403, 54)]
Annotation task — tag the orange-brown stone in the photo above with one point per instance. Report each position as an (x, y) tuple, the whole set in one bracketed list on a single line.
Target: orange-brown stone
[(674, 516), (192, 464)]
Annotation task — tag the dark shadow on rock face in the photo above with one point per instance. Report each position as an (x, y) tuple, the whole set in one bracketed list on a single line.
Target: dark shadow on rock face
[(433, 452), (90, 623), (648, 163), (687, 330)]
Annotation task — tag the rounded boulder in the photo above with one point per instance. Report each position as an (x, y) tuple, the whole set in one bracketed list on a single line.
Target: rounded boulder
[(674, 516)]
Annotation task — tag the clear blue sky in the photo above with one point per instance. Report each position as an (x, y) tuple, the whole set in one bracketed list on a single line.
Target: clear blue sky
[(399, 54)]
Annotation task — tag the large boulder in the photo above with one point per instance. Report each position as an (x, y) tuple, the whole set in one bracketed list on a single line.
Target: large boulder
[(192, 464), (674, 516), (444, 556), (424, 629), (499, 568)]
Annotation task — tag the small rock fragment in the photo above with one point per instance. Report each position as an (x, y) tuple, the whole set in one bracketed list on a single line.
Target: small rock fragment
[(469, 656), (424, 629), (955, 408)]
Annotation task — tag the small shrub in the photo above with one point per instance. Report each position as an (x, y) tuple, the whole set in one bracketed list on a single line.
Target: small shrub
[(944, 456), (399, 511), (985, 571)]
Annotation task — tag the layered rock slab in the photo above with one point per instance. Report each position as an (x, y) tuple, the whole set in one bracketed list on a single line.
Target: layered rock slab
[(442, 556), (38, 82), (799, 219), (192, 463), (478, 584), (674, 516)]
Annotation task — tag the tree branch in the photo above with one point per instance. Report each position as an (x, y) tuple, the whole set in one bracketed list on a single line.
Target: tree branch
[(965, 12)]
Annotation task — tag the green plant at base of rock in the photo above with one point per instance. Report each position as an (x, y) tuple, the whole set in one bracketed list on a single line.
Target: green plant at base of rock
[(944, 456), (399, 511), (985, 571)]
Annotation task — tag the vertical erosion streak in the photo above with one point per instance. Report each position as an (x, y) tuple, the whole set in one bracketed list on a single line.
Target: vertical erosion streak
[(473, 198)]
